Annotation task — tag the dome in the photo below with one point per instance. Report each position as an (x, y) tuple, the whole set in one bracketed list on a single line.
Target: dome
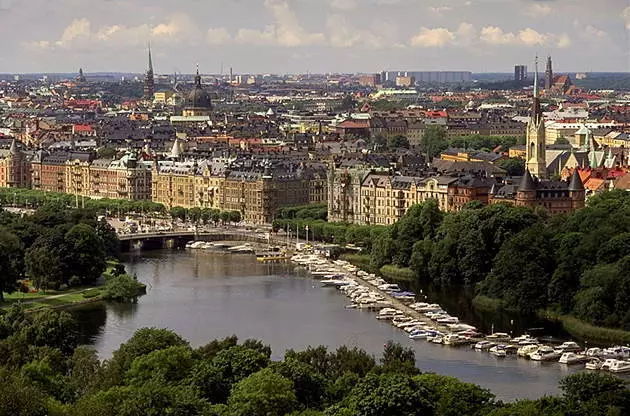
[(198, 97)]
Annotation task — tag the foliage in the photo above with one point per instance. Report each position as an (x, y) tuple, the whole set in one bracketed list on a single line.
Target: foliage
[(433, 141), (11, 262), (312, 211), (264, 393), (514, 166), (122, 288)]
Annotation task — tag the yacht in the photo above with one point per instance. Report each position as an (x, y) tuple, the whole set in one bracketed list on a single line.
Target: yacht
[(594, 364), (593, 352), (447, 320), (387, 313), (438, 339), (483, 345), (607, 364), (527, 350), (572, 358), (498, 351), (616, 352), (335, 283), (620, 366), (545, 353), (525, 340), (419, 334), (455, 340), (498, 336), (568, 346)]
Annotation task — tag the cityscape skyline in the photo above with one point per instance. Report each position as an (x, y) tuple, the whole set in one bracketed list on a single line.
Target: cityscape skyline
[(300, 36)]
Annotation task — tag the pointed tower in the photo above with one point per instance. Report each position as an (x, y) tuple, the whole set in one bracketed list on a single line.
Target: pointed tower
[(149, 81), (548, 75), (535, 136), (576, 189)]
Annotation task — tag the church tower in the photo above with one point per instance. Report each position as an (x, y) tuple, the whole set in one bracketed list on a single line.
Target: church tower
[(535, 136), (548, 75), (149, 81)]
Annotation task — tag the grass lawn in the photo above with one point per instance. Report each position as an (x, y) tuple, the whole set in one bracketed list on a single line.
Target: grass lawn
[(32, 301)]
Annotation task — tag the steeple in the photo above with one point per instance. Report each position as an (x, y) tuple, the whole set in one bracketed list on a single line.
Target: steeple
[(548, 74), (575, 184), (535, 135), (197, 78), (149, 81)]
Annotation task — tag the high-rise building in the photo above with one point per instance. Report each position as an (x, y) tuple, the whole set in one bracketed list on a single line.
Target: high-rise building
[(548, 74), (535, 135), (520, 73), (149, 81)]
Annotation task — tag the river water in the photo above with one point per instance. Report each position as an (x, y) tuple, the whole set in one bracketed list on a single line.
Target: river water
[(204, 295)]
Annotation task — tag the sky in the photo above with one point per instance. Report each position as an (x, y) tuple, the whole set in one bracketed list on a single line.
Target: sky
[(317, 36)]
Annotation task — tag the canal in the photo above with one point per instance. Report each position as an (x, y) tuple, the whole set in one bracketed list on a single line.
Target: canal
[(203, 296)]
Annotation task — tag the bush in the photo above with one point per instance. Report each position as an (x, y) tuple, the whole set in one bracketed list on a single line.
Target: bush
[(74, 281), (122, 288)]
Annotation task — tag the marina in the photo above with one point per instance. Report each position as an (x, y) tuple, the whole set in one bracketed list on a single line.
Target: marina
[(431, 323)]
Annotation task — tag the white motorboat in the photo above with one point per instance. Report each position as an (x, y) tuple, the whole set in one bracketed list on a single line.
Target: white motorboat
[(483, 345), (593, 352), (594, 364), (499, 336), (616, 352), (607, 364), (419, 334), (568, 346), (527, 350), (572, 358), (335, 283), (498, 351), (620, 366), (439, 339), (447, 320), (455, 340), (545, 353)]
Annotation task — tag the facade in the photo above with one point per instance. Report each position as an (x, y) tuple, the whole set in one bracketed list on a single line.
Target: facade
[(520, 73), (15, 169)]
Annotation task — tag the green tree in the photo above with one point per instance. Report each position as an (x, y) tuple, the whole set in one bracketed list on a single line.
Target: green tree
[(51, 329), (454, 398), (106, 152), (11, 262), (264, 393), (596, 394), (169, 365), (398, 359), (514, 166), (433, 141), (309, 386), (194, 215), (88, 253), (122, 288), (397, 142), (237, 363), (19, 397)]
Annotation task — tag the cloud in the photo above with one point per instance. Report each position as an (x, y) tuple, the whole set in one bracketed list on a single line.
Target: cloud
[(432, 38), (218, 36), (440, 10), (625, 15), (286, 30), (81, 33), (341, 34), (343, 4), (563, 41), (593, 32), (539, 10), (494, 35)]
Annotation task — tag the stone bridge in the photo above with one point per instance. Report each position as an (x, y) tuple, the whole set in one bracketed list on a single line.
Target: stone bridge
[(178, 239)]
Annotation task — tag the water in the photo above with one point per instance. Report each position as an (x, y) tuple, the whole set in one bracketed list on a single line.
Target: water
[(203, 296)]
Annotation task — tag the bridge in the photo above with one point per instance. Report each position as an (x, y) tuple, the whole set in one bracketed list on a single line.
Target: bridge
[(178, 239)]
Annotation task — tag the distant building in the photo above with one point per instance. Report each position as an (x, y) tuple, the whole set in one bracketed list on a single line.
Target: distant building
[(520, 73), (405, 81), (149, 81), (429, 77), (198, 102), (371, 80)]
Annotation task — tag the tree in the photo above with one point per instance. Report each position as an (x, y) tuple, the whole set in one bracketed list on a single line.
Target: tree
[(514, 166), (264, 393), (309, 386), (44, 267), (386, 395), (433, 141), (106, 152), (348, 103), (596, 394), (169, 365), (11, 262), (107, 233), (51, 329), (397, 142), (194, 215), (178, 213), (237, 363), (454, 398), (88, 253), (235, 216), (398, 359), (19, 397), (122, 288)]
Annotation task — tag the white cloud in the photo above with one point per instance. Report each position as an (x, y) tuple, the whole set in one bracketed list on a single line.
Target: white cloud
[(539, 10), (343, 4), (494, 35), (432, 38), (625, 14), (286, 30), (593, 32), (218, 36), (440, 10), (564, 41), (341, 34)]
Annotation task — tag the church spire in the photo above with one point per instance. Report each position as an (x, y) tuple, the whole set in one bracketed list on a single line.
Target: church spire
[(150, 59), (535, 135), (149, 81), (549, 74), (198, 78)]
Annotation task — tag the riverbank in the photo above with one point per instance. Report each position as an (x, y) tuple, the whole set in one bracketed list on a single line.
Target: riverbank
[(53, 299), (587, 332)]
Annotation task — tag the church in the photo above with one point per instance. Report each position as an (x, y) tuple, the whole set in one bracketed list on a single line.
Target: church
[(535, 189)]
